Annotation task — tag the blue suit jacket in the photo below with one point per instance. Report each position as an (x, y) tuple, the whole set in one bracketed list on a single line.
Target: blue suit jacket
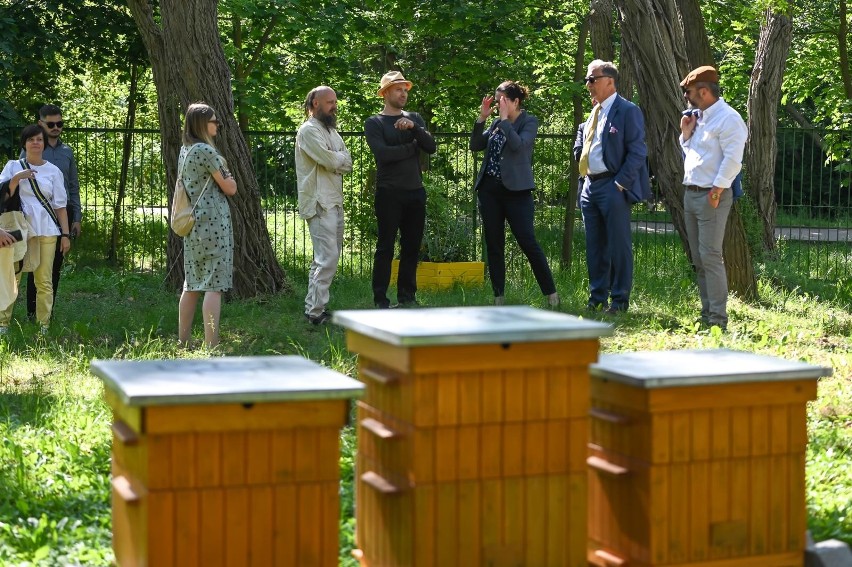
[(624, 151), (516, 159)]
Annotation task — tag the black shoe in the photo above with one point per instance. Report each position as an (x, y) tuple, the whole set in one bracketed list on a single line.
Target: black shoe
[(616, 309), (320, 319), (386, 305), (409, 304), (596, 306)]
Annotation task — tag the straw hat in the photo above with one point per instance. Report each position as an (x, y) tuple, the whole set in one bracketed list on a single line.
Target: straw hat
[(392, 78)]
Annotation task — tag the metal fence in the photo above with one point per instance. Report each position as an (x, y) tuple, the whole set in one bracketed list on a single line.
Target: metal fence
[(812, 192)]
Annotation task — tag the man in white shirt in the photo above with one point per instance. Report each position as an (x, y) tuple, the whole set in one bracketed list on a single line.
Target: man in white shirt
[(713, 139), (321, 161)]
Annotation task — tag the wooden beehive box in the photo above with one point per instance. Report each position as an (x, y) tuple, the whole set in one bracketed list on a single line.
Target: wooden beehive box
[(698, 458), (228, 461), (472, 435)]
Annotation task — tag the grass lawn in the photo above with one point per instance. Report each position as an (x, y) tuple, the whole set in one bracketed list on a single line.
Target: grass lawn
[(55, 428)]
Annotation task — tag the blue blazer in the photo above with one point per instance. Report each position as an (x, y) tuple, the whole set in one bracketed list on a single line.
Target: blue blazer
[(516, 159), (624, 151)]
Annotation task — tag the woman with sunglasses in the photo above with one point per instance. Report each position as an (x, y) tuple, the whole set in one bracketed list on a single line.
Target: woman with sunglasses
[(505, 184), (208, 250), (40, 187)]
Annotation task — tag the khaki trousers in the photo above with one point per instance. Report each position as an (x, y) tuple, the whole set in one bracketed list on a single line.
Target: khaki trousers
[(326, 229), (43, 276)]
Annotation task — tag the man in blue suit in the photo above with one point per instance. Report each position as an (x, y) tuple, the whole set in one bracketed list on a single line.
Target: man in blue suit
[(610, 148)]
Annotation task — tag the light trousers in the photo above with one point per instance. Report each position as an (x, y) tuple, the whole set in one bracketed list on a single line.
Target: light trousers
[(326, 229), (43, 276), (705, 230)]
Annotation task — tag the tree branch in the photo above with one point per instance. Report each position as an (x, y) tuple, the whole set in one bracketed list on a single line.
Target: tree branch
[(800, 119), (843, 50), (261, 44)]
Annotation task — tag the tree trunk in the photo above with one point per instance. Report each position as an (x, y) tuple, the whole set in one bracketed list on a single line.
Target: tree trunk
[(739, 266), (662, 102), (626, 72), (668, 22), (698, 50), (600, 29), (574, 173), (843, 49), (189, 65), (764, 93), (240, 74), (112, 256), (657, 45)]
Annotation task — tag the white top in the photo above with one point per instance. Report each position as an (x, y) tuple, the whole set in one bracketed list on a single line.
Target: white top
[(596, 161), (714, 152), (321, 161), (52, 185)]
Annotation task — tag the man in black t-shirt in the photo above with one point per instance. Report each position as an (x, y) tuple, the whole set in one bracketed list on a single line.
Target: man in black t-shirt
[(396, 138)]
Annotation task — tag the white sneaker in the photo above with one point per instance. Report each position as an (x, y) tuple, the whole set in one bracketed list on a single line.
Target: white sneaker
[(4, 330), (44, 330)]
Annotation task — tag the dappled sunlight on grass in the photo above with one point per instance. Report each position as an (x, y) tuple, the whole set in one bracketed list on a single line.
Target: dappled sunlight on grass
[(54, 457)]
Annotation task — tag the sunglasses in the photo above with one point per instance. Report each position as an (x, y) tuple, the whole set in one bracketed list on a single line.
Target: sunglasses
[(59, 124), (214, 121), (592, 78)]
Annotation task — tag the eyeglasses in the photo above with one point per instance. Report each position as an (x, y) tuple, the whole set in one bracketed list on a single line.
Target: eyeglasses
[(592, 78), (59, 124)]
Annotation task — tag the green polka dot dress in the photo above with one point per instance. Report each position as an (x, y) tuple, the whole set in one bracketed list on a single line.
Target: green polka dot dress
[(208, 250)]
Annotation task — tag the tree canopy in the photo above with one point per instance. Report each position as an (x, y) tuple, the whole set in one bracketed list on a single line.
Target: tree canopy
[(453, 50)]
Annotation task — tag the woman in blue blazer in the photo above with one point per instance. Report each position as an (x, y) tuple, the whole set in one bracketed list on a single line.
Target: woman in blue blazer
[(504, 186)]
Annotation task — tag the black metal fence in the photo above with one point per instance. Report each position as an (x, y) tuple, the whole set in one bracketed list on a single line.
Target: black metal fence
[(812, 192)]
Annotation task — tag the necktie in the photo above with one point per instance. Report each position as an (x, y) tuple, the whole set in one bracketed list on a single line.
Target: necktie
[(587, 143)]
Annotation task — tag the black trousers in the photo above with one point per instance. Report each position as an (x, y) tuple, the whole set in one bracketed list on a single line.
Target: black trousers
[(403, 212), (498, 205), (31, 288)]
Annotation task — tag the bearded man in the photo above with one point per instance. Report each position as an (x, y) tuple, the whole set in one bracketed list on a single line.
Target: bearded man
[(321, 161)]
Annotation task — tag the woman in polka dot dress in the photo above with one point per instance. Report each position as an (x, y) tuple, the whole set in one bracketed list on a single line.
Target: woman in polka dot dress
[(208, 250)]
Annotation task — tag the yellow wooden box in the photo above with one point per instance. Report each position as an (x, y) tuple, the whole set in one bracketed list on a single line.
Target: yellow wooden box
[(232, 461), (472, 436), (698, 458), (444, 275)]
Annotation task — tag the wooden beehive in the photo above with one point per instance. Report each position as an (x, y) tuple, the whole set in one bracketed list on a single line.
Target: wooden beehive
[(231, 461), (472, 436), (698, 458)]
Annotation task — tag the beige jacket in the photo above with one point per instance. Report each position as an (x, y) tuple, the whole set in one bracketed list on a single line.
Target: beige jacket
[(321, 161)]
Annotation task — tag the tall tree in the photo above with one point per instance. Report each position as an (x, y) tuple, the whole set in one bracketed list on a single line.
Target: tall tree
[(764, 94), (698, 49), (600, 29), (843, 48), (189, 64), (652, 32), (574, 173), (657, 79)]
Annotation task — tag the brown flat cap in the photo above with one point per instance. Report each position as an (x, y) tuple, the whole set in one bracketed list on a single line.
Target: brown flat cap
[(705, 74)]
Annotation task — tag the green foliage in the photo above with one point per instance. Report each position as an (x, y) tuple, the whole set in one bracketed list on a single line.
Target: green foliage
[(450, 233), (805, 178), (47, 41)]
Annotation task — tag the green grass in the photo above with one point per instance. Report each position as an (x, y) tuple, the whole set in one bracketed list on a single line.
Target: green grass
[(54, 426)]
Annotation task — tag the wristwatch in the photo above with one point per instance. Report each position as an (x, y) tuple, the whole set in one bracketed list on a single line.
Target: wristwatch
[(65, 234)]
